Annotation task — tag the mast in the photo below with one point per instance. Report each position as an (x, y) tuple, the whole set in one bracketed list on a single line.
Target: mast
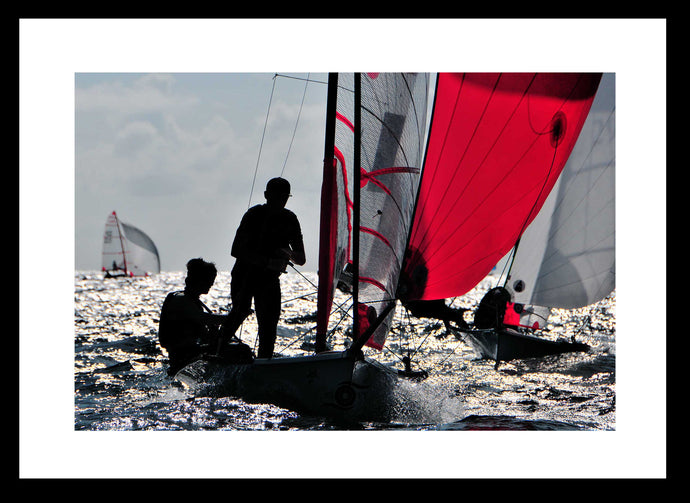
[(122, 245), (356, 203)]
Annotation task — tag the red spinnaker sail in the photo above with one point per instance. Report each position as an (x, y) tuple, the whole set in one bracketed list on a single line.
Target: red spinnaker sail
[(497, 144)]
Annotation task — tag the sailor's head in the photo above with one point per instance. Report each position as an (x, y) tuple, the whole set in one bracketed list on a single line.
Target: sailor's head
[(277, 191), (200, 275)]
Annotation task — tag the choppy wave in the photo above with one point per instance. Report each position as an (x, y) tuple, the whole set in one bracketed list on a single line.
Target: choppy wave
[(121, 381)]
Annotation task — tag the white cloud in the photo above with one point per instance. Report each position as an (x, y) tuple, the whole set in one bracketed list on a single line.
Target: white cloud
[(175, 155)]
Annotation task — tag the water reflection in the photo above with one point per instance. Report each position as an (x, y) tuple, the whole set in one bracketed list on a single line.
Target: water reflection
[(121, 383)]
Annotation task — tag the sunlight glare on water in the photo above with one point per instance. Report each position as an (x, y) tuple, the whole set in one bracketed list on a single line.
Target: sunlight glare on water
[(121, 381)]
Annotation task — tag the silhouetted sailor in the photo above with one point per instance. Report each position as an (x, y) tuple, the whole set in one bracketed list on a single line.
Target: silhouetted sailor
[(187, 327), (268, 237)]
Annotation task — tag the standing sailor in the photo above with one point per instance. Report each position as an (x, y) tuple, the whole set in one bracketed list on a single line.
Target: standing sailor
[(268, 237)]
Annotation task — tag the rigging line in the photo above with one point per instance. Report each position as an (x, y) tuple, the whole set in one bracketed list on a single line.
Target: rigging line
[(303, 276), (344, 312), (416, 350), (256, 169), (295, 340), (396, 355), (304, 334), (298, 297), (459, 341), (411, 351), (506, 266), (409, 324), (339, 307), (301, 78), (296, 123)]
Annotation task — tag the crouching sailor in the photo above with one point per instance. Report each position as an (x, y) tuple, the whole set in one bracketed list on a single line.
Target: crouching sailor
[(187, 328)]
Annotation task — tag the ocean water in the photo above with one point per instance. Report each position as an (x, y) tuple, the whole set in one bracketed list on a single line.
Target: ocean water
[(121, 384)]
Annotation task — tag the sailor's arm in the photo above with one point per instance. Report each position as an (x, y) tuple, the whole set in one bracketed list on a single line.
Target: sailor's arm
[(297, 255)]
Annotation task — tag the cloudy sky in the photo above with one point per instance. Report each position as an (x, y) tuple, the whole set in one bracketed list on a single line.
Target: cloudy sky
[(176, 154)]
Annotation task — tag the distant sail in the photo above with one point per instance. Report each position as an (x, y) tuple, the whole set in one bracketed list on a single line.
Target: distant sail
[(127, 250), (566, 258), (497, 145)]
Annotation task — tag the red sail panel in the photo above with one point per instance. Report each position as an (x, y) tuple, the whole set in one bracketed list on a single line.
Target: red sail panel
[(497, 144), (336, 203), (327, 246)]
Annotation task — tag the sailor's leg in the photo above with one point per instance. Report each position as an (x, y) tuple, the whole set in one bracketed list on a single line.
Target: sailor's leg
[(267, 303), (241, 296)]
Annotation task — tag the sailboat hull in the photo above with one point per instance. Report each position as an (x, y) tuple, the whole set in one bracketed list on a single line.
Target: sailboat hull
[(332, 384), (507, 344)]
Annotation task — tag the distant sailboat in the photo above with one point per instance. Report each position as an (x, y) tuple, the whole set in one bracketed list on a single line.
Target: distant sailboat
[(127, 251)]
